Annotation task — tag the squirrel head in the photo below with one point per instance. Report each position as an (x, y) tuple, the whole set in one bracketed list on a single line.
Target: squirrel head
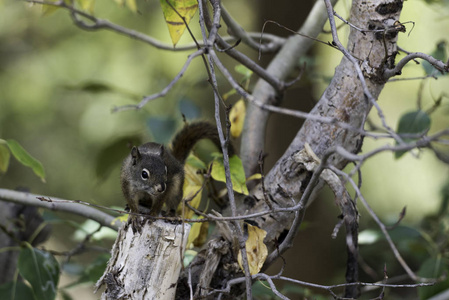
[(148, 170)]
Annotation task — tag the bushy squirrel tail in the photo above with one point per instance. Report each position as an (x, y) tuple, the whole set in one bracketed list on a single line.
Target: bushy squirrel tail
[(190, 134)]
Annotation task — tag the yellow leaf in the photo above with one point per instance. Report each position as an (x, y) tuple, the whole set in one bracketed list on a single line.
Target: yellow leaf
[(193, 235), (254, 177), (193, 183), (174, 11), (87, 5), (256, 250), (131, 4), (198, 234), (202, 237), (237, 118), (49, 9), (5, 156)]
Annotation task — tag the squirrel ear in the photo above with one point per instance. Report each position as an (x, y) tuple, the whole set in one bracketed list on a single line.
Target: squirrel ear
[(161, 150), (135, 155)]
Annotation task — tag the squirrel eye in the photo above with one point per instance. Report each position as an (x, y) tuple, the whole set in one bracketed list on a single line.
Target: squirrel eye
[(145, 174)]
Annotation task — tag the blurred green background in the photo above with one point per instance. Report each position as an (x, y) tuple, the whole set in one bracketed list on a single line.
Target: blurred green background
[(59, 84)]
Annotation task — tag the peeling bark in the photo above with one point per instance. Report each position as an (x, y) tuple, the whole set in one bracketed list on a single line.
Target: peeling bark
[(145, 264)]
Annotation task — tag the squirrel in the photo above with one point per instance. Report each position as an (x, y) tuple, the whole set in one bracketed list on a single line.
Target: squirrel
[(152, 175)]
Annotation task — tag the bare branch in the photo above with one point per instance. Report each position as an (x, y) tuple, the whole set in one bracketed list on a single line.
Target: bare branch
[(397, 70), (213, 82), (272, 42), (240, 33), (328, 288), (72, 206), (242, 58), (164, 92), (384, 230)]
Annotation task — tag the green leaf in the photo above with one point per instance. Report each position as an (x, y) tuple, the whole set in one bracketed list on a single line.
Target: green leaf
[(49, 9), (97, 87), (5, 156), (16, 291), (93, 87), (440, 54), (112, 155), (94, 271), (415, 122), (241, 69), (237, 173), (26, 159), (262, 290), (41, 270), (195, 162), (176, 25), (65, 295), (433, 268), (189, 255)]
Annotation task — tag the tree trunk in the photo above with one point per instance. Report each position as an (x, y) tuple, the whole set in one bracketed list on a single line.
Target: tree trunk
[(145, 265), (344, 101)]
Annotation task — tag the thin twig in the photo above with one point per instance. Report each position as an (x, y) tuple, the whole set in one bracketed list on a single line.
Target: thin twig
[(246, 38), (272, 42), (213, 81), (328, 288), (164, 92), (383, 228), (397, 70)]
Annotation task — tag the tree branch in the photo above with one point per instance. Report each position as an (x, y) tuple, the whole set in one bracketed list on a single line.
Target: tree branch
[(237, 31), (58, 204), (280, 67), (397, 70), (272, 42), (213, 81)]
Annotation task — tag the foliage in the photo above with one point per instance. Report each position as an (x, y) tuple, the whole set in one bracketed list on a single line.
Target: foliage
[(440, 53), (256, 250), (237, 173), (40, 269), (416, 122), (12, 146), (159, 124), (177, 15)]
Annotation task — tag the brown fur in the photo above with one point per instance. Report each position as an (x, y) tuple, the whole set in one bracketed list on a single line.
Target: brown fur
[(152, 175)]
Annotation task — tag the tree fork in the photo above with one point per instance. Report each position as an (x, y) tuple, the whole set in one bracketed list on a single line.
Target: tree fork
[(345, 100)]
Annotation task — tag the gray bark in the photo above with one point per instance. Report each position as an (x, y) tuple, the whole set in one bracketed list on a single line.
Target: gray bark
[(344, 101)]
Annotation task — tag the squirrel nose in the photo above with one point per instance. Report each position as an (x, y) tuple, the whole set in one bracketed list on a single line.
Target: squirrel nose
[(160, 187)]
